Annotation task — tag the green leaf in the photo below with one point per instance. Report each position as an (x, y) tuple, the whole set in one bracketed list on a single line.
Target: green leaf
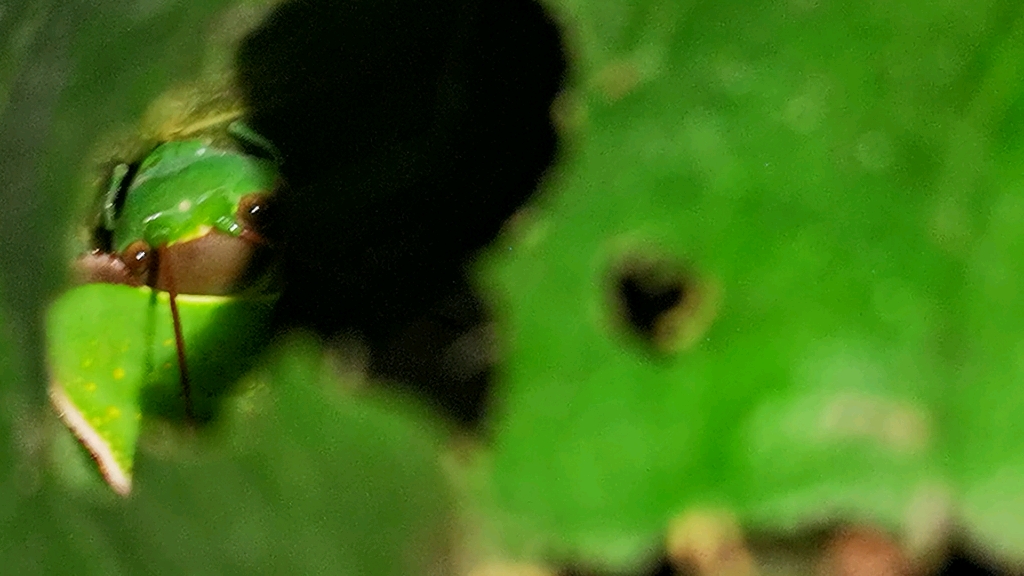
[(10, 374), (834, 188), (299, 476), (113, 357)]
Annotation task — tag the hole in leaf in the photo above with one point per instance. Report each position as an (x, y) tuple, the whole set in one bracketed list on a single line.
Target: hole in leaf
[(665, 304), (648, 298)]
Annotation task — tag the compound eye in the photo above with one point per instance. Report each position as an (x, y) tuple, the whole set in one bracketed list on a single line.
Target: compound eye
[(253, 213), (138, 258)]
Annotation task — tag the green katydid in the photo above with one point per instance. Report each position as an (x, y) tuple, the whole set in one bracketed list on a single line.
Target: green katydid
[(169, 298)]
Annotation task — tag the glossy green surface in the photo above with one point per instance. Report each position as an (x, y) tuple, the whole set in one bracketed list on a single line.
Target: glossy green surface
[(184, 189)]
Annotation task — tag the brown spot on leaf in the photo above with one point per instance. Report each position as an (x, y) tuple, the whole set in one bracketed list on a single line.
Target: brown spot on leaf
[(864, 551), (618, 78)]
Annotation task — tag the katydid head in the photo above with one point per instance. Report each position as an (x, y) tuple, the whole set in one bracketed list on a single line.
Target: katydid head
[(199, 209)]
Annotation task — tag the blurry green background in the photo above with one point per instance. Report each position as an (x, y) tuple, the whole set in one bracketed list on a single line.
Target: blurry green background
[(837, 183)]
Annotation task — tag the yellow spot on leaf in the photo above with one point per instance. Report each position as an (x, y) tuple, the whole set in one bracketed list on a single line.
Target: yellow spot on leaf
[(169, 342), (87, 363), (113, 412), (711, 541), (618, 78), (118, 373), (90, 386)]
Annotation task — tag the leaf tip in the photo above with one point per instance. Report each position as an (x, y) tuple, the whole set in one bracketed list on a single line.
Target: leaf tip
[(113, 472)]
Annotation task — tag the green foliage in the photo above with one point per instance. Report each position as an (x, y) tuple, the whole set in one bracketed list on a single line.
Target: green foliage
[(839, 184), (298, 475), (113, 359), (832, 188)]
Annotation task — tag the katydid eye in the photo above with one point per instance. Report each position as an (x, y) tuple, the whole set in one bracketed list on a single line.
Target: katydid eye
[(138, 258), (253, 212)]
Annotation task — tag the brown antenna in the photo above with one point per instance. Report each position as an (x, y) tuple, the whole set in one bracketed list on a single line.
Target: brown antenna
[(179, 337)]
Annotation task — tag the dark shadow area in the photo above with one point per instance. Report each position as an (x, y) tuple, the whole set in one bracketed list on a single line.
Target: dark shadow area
[(802, 555), (660, 303), (961, 563), (661, 568), (409, 132), (645, 297)]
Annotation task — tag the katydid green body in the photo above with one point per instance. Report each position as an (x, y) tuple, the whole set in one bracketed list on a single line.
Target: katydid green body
[(184, 189)]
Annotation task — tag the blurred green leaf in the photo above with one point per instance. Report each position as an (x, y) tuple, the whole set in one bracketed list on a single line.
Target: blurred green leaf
[(839, 183), (9, 374), (300, 477), (320, 483)]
